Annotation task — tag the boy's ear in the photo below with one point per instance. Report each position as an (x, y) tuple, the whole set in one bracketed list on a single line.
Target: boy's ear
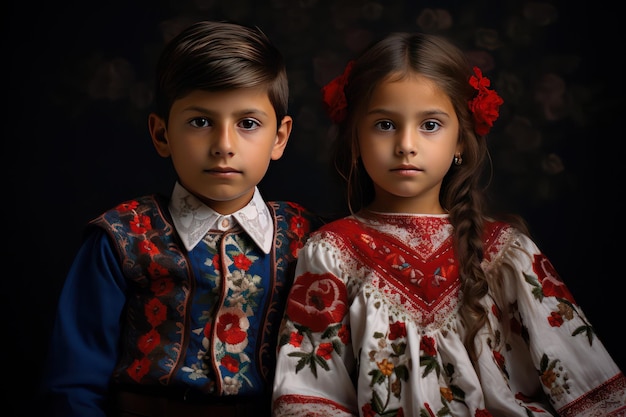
[(158, 133), (282, 136)]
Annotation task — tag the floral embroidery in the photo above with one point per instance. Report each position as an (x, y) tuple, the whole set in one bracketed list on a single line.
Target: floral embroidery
[(549, 284), (554, 377), (389, 372), (317, 303)]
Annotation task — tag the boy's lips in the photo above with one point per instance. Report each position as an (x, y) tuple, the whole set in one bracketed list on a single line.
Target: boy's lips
[(223, 170)]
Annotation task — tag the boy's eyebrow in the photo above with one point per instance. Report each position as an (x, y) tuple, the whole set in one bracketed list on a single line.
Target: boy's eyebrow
[(200, 109)]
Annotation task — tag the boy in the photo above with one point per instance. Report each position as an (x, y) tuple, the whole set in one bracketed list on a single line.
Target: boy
[(171, 306)]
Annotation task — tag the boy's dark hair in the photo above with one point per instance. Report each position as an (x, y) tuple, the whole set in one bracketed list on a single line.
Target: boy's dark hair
[(218, 56)]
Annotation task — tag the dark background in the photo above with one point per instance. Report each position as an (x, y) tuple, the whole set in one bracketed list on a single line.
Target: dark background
[(76, 95)]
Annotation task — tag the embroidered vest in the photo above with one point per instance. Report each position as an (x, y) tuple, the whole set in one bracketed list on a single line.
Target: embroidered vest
[(162, 337)]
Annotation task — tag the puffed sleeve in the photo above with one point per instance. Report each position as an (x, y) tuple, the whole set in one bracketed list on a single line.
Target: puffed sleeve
[(315, 361), (549, 333), (84, 343)]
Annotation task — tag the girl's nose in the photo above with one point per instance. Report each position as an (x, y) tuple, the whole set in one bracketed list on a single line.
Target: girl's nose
[(406, 144)]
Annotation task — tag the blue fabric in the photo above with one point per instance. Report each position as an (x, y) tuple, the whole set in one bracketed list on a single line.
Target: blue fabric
[(86, 331)]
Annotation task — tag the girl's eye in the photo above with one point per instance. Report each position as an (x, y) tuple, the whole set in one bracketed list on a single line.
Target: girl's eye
[(249, 124), (385, 125), (200, 122), (431, 126)]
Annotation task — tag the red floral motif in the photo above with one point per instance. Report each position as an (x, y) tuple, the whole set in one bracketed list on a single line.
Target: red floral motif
[(427, 345), (230, 363), (216, 262), (242, 262), (147, 342), (138, 369), (482, 413), (140, 224), (156, 270), (397, 330), (156, 312), (229, 329), (334, 95), (127, 207), (325, 350), (146, 247), (551, 283), (299, 226), (485, 105), (316, 301), (555, 319), (295, 339)]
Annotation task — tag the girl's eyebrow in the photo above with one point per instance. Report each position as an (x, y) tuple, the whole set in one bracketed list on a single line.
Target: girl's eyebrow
[(422, 113)]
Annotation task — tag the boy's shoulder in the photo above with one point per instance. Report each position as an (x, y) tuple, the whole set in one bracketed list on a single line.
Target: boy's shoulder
[(146, 205), (295, 213)]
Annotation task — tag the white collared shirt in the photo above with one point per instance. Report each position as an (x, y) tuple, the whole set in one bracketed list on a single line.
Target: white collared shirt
[(193, 219)]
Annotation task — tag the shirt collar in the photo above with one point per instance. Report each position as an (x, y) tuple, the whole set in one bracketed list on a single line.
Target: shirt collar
[(193, 219)]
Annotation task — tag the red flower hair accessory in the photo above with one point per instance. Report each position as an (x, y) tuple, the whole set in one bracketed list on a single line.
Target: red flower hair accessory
[(485, 105), (334, 95)]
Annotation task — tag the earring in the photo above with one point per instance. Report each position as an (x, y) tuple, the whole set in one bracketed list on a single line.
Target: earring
[(458, 160)]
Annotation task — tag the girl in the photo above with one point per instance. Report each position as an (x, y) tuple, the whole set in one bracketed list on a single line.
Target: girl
[(418, 303)]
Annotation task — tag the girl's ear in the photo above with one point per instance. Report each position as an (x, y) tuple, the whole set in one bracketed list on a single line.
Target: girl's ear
[(282, 136), (158, 133)]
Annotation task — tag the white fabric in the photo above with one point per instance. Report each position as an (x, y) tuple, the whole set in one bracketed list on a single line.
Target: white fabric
[(193, 219), (512, 365)]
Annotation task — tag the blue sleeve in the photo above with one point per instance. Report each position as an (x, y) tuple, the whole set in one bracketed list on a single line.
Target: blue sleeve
[(83, 348)]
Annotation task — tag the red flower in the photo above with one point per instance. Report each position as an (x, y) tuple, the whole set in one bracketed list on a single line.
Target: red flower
[(230, 363), (299, 225), (127, 207), (427, 345), (147, 342), (216, 262), (146, 247), (229, 329), (242, 262), (140, 224), (317, 301), (485, 104), (397, 330), (551, 283), (295, 339), (156, 312), (555, 319), (138, 369), (325, 350), (334, 95), (482, 413)]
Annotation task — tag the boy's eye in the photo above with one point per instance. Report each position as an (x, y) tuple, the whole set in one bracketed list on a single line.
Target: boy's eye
[(200, 122), (249, 124)]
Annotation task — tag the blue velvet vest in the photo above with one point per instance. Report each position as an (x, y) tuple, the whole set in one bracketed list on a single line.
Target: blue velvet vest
[(206, 319)]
